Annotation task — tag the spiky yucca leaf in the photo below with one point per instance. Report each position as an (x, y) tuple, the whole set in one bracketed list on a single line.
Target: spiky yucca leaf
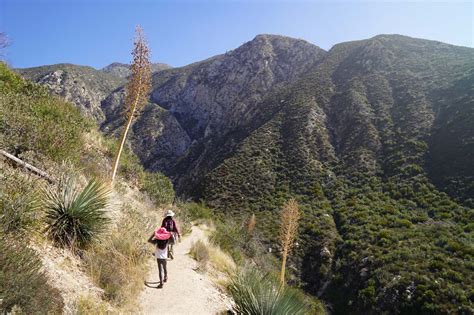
[(255, 293), (76, 217)]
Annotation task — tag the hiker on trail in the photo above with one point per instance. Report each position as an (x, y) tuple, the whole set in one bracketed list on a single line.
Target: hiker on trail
[(170, 224), (160, 239)]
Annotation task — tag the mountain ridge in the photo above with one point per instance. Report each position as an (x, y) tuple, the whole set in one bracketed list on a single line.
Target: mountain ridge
[(373, 138), (122, 70)]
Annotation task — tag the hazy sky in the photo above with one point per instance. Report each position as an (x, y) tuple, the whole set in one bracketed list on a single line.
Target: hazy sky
[(98, 32)]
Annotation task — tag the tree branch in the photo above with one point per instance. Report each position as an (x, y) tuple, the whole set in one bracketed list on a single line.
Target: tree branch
[(29, 167)]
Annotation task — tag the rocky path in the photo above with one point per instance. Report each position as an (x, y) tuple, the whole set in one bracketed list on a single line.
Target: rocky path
[(187, 291)]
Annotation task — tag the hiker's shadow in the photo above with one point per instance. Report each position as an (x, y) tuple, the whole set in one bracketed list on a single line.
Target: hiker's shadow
[(149, 284)]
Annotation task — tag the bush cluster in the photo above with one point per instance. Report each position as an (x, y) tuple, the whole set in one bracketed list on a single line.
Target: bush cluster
[(23, 284), (33, 121), (376, 235), (196, 210), (159, 188), (19, 202)]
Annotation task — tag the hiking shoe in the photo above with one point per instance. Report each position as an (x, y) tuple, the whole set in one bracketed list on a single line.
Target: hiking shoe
[(160, 286)]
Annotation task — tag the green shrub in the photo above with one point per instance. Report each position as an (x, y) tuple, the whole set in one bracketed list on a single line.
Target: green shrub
[(18, 202), (87, 304), (158, 187), (130, 167), (75, 217), (8, 79), (255, 293), (33, 121), (23, 284), (231, 238), (196, 211)]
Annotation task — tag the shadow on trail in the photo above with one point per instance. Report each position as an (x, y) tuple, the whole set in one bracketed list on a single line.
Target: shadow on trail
[(149, 284)]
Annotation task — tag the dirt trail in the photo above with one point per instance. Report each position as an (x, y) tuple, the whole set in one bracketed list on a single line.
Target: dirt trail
[(187, 291)]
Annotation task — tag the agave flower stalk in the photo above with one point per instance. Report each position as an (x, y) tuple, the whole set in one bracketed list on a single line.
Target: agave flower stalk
[(290, 215), (137, 90)]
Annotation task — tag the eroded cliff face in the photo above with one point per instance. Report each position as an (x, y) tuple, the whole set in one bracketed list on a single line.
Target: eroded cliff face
[(208, 100), (214, 96)]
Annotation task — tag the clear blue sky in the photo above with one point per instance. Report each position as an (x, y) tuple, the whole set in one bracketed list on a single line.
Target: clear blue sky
[(98, 32)]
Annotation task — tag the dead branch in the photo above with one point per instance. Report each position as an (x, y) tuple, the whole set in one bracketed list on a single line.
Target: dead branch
[(29, 167)]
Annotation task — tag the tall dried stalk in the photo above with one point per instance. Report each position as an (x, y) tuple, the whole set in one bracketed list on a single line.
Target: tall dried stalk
[(289, 216), (137, 90), (251, 224)]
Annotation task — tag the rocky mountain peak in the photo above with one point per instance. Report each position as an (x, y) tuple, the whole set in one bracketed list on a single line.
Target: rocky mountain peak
[(213, 91), (122, 70), (266, 45)]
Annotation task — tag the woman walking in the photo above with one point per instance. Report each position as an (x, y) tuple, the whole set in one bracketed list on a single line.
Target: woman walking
[(160, 239), (170, 225)]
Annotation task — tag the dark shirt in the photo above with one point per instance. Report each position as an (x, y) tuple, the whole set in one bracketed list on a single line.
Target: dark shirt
[(166, 224)]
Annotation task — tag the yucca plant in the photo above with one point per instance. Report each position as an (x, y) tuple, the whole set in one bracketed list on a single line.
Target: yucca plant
[(75, 217), (254, 293)]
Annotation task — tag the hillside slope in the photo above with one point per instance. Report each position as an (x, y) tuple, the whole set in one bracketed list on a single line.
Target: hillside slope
[(40, 273), (359, 141), (83, 86), (374, 138)]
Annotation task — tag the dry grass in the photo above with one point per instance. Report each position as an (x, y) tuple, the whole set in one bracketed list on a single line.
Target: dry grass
[(212, 259), (88, 304), (118, 263), (200, 252), (251, 224), (221, 261)]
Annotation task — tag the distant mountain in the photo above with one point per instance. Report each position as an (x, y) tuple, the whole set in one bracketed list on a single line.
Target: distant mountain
[(200, 104), (84, 86), (374, 138), (122, 70)]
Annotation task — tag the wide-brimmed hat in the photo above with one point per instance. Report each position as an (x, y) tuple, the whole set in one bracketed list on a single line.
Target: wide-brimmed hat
[(162, 234), (169, 213)]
